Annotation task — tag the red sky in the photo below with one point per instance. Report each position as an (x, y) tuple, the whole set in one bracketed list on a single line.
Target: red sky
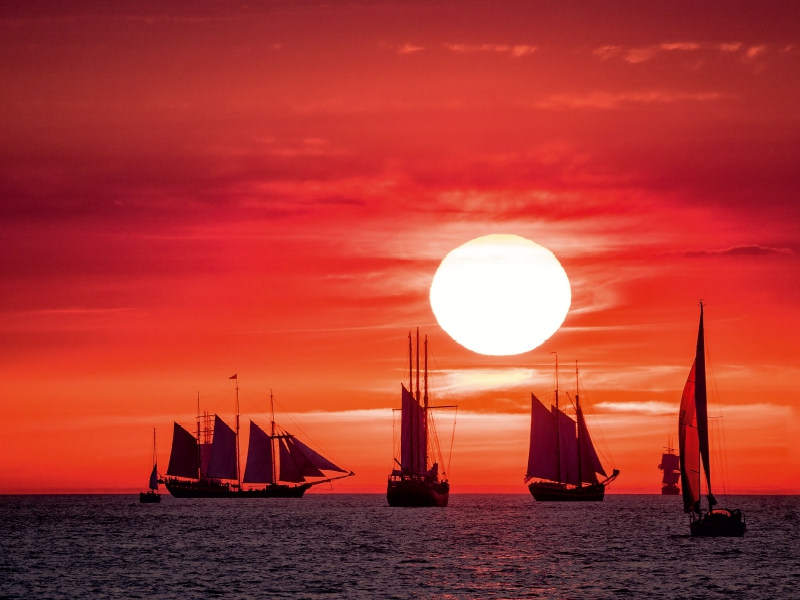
[(269, 190)]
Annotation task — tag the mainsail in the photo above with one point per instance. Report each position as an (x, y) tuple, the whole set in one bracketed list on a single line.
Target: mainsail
[(183, 460), (568, 447), (259, 468), (542, 459), (413, 439), (222, 463), (154, 478), (693, 430)]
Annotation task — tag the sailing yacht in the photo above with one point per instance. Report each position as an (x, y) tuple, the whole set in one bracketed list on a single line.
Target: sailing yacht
[(562, 457), (207, 465), (694, 449), (413, 483), (151, 496)]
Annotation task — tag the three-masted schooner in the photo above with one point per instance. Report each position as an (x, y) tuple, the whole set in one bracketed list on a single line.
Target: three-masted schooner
[(207, 465), (671, 466), (413, 484), (694, 448), (562, 457), (151, 496)]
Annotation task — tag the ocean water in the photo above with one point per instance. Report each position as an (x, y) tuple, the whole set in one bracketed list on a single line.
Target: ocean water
[(355, 546)]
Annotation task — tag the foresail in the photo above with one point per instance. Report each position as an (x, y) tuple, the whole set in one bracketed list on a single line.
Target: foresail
[(222, 464), (288, 470), (300, 460), (542, 456), (314, 458), (183, 457), (689, 447), (590, 462), (259, 457), (154, 478), (568, 448)]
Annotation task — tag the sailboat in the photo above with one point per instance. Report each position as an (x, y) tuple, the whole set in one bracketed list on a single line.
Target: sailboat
[(207, 465), (562, 457), (152, 496), (694, 448), (671, 465), (413, 483)]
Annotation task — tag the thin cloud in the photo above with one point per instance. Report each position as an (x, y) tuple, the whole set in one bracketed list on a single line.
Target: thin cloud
[(515, 51), (610, 100), (409, 49), (743, 250)]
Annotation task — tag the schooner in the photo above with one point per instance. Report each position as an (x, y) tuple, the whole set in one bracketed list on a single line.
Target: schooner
[(207, 464)]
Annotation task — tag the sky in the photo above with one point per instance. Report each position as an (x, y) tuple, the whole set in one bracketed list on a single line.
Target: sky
[(192, 192)]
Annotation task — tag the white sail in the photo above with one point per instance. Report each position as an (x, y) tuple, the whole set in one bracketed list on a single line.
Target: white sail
[(259, 457), (542, 456), (222, 464), (568, 448)]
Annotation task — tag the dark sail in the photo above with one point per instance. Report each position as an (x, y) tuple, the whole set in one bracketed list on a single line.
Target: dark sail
[(318, 462), (590, 462), (412, 435), (689, 447), (701, 404), (222, 464), (542, 455), (259, 468), (183, 459)]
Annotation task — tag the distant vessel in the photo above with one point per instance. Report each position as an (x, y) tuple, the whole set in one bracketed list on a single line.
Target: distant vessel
[(207, 465), (562, 456), (694, 447), (671, 465), (152, 496), (413, 484)]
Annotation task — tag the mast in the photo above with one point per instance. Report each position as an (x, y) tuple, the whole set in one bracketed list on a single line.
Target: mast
[(272, 438), (578, 411), (558, 434), (238, 466), (425, 406), (199, 451), (410, 366), (417, 391)]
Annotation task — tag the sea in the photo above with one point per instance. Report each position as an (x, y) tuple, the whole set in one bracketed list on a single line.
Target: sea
[(355, 546)]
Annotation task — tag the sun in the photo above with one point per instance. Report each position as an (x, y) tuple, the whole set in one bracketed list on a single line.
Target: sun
[(500, 294)]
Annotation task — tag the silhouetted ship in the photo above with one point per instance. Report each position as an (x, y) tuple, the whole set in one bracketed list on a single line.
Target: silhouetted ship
[(694, 448), (671, 466), (562, 457), (151, 496), (206, 465), (413, 484)]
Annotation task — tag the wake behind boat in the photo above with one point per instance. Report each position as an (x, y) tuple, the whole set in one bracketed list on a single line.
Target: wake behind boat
[(694, 448), (562, 457), (206, 465)]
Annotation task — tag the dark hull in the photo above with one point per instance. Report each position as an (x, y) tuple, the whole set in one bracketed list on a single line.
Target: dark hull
[(417, 493), (719, 523), (149, 497), (554, 492), (210, 489), (670, 490)]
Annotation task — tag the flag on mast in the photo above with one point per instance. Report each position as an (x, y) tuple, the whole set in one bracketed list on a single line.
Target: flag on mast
[(234, 376)]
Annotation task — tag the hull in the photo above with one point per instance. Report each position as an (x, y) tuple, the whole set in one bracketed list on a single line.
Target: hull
[(149, 497), (417, 493), (556, 492), (719, 523), (670, 490), (210, 489)]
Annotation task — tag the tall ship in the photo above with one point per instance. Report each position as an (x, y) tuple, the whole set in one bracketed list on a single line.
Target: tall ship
[(206, 464), (671, 467), (694, 449), (562, 459), (415, 482)]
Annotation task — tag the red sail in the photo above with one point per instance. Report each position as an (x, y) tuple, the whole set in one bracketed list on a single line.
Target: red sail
[(313, 458), (259, 457), (689, 446), (183, 460), (542, 456), (222, 464), (289, 470), (413, 444), (568, 447)]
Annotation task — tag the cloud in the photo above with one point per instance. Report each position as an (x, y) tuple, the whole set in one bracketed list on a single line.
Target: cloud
[(642, 54), (515, 51), (409, 49), (610, 100), (743, 250)]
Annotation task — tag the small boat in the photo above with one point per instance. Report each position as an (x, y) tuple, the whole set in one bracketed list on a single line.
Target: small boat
[(151, 496), (562, 457), (207, 465), (671, 466), (413, 483), (694, 449)]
